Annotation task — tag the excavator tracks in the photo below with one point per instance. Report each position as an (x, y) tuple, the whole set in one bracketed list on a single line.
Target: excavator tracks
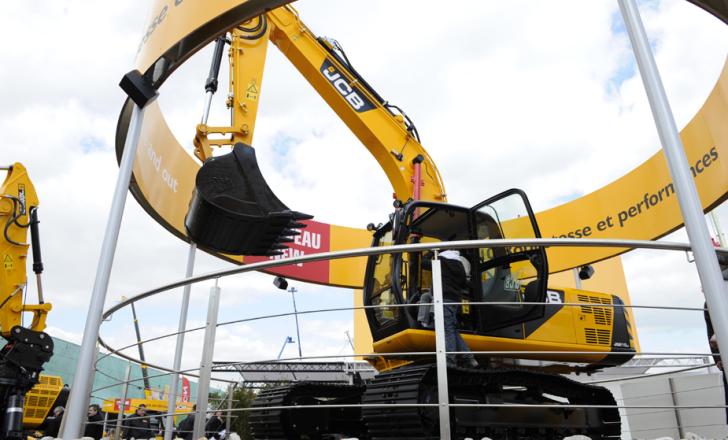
[(270, 422), (488, 386), (410, 386)]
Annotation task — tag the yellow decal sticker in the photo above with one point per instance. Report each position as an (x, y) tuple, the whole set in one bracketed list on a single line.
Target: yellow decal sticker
[(8, 262), (251, 92)]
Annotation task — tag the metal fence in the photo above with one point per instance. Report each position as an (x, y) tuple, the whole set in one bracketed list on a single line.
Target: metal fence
[(439, 355)]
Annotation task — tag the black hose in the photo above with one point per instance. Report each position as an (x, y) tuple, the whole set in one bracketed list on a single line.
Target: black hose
[(262, 27), (13, 219)]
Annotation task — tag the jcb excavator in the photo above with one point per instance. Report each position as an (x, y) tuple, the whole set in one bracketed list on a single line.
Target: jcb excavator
[(515, 311), (27, 347), (234, 211)]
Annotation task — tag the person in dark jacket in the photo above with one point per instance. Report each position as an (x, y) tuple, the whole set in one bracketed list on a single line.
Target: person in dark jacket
[(95, 424), (214, 425), (137, 425), (52, 424), (185, 427), (455, 283)]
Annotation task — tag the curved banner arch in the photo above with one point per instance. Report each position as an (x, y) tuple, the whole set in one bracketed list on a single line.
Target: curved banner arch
[(640, 205)]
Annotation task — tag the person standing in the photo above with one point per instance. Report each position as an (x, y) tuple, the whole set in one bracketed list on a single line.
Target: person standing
[(214, 425), (455, 283), (95, 424), (187, 425), (137, 425), (53, 423)]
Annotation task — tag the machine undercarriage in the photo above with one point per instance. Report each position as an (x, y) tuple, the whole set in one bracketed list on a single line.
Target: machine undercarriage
[(510, 399)]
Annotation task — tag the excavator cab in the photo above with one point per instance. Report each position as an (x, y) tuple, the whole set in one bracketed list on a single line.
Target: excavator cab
[(511, 279)]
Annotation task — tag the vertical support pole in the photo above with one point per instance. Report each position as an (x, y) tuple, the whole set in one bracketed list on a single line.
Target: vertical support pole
[(78, 399), (181, 327), (106, 421), (295, 313), (577, 280), (228, 417), (673, 397), (208, 349), (122, 402), (706, 262), (440, 353)]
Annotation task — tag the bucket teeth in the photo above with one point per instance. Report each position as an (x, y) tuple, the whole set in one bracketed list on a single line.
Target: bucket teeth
[(234, 211), (301, 216)]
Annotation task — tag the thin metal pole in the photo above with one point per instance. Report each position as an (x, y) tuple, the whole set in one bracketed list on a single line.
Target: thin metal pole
[(673, 396), (231, 392), (78, 399), (705, 258), (208, 349), (440, 353), (140, 347), (293, 291), (106, 421), (577, 280), (181, 327), (122, 402)]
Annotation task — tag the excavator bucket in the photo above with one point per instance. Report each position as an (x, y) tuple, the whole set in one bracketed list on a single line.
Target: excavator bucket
[(234, 211)]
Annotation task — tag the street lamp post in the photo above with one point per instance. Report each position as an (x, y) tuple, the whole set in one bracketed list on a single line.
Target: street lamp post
[(293, 291)]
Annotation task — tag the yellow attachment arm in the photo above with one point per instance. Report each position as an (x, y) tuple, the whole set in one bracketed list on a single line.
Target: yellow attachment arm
[(17, 197), (248, 47)]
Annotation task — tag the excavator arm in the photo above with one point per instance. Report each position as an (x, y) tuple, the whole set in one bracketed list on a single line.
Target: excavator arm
[(384, 129), (27, 348)]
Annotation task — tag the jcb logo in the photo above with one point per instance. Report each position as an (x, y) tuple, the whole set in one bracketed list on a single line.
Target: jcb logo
[(353, 96), (553, 297)]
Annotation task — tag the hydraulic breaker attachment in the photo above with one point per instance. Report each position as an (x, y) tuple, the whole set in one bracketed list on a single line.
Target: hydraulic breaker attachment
[(234, 211)]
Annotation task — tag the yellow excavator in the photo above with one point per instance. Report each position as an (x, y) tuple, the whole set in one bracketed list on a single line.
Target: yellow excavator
[(514, 309), (27, 348)]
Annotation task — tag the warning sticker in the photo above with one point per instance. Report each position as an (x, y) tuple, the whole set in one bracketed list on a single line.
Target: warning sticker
[(252, 92), (8, 262)]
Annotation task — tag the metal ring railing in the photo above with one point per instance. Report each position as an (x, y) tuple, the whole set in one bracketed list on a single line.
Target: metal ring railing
[(420, 247)]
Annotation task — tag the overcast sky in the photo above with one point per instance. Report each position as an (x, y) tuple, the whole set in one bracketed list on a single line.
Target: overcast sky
[(543, 96)]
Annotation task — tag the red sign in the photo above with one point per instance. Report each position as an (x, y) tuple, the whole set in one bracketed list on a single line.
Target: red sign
[(127, 404), (315, 238), (185, 397)]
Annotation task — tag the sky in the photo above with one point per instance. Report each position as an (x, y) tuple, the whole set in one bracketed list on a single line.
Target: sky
[(544, 96)]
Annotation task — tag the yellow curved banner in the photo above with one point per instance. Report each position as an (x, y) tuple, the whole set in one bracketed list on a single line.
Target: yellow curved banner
[(642, 205), (178, 28)]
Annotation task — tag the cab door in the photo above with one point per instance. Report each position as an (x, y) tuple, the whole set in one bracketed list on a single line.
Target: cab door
[(508, 276)]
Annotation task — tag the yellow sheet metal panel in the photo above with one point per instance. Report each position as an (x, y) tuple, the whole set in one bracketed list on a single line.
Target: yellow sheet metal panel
[(424, 340), (40, 399), (349, 271), (363, 342)]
